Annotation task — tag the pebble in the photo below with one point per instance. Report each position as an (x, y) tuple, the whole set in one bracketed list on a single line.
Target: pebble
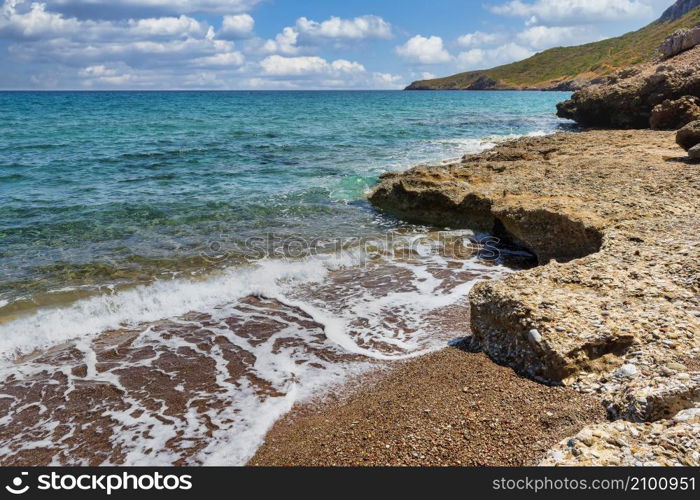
[(534, 337), (626, 371)]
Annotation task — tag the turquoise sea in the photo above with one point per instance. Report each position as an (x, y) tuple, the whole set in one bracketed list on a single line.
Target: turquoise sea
[(107, 187), (146, 233)]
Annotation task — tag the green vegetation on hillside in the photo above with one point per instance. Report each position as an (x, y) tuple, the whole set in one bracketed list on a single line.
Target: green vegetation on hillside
[(568, 63)]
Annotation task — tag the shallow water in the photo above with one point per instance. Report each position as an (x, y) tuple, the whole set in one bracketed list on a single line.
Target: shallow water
[(177, 269), (105, 188)]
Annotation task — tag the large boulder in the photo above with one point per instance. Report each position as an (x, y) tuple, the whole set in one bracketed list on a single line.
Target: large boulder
[(626, 100), (694, 152), (680, 41), (672, 115), (689, 136)]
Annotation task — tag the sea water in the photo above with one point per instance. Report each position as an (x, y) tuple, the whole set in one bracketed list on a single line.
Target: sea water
[(226, 230)]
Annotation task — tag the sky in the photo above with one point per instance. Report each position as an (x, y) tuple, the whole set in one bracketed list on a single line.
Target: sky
[(287, 44)]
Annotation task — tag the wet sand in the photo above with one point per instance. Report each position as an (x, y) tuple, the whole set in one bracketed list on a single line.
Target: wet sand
[(449, 408), (203, 388)]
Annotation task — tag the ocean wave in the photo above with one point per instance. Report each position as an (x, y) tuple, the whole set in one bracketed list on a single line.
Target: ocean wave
[(159, 300), (297, 327), (274, 278)]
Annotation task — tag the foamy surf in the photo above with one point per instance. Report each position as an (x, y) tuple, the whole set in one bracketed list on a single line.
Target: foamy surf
[(475, 146), (162, 299), (195, 372)]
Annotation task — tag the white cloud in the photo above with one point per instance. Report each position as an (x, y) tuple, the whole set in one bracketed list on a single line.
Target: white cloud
[(312, 72), (140, 53), (487, 58), (286, 66), (34, 22), (471, 59), (478, 38), (344, 66), (574, 12), (239, 26), (284, 43), (119, 75), (222, 59), (169, 6), (359, 28), (19, 21), (294, 66), (258, 83), (420, 49), (542, 37), (70, 48), (308, 33), (168, 27), (48, 37), (98, 71), (388, 80)]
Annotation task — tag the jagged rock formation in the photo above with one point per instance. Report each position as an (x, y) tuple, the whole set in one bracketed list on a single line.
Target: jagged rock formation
[(615, 310), (680, 41), (673, 442), (627, 99), (672, 115), (678, 10)]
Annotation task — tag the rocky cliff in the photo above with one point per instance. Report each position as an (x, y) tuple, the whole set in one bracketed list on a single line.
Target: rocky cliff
[(678, 10), (629, 98)]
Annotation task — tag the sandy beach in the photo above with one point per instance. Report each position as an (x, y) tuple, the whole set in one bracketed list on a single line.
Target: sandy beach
[(450, 408)]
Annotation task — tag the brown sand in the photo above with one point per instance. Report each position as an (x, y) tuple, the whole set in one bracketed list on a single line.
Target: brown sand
[(449, 408)]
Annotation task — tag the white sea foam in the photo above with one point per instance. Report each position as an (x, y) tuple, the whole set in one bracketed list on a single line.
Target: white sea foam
[(380, 311), (162, 299), (473, 146)]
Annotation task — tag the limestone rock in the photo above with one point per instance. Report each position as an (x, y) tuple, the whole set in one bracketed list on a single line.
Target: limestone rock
[(620, 284), (689, 136), (672, 115), (678, 10), (615, 308), (626, 371), (680, 41), (694, 152), (627, 99), (647, 399), (674, 442)]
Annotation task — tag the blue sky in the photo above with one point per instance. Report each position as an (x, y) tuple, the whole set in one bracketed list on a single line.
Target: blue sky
[(287, 44)]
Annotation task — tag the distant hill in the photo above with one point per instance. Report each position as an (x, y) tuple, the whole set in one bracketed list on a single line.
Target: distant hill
[(566, 68)]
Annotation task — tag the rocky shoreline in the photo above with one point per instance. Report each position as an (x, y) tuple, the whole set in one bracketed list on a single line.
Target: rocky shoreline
[(614, 309), (662, 94)]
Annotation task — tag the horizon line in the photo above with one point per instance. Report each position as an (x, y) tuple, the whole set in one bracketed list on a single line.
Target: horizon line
[(202, 90)]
